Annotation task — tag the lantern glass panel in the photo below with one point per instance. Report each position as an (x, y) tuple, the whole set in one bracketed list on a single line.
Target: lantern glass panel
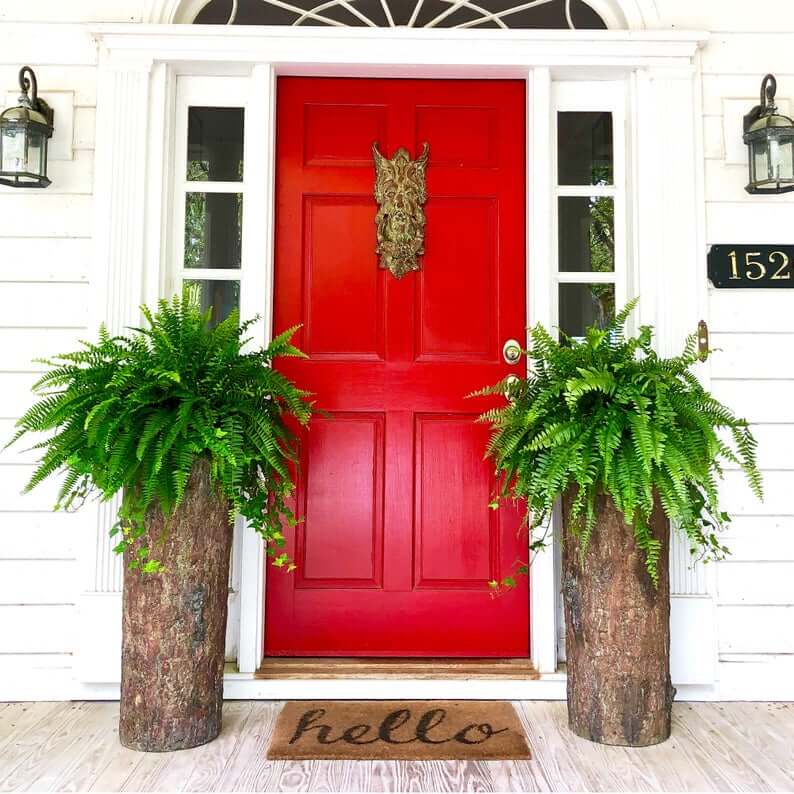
[(13, 144), (760, 160), (781, 158), (36, 144)]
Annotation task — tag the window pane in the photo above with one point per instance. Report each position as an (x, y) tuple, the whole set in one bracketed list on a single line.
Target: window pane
[(215, 144), (213, 229), (222, 296), (584, 148), (587, 234), (582, 305)]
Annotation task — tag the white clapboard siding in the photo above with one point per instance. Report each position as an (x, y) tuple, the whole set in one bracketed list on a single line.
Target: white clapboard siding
[(67, 176), (45, 535), (38, 305), (713, 138), (41, 214), (756, 677), (82, 11), (755, 629), (726, 15), (739, 83), (45, 259), (755, 582), (15, 393), (20, 347), (723, 179), (757, 401), (738, 499), (742, 222), (720, 56), (775, 446), (84, 136), (37, 628), (27, 663), (80, 79), (19, 453), (760, 538), (763, 356), (14, 479), (37, 581), (751, 311)]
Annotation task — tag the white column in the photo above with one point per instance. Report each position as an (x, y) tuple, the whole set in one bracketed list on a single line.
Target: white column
[(118, 277), (671, 266)]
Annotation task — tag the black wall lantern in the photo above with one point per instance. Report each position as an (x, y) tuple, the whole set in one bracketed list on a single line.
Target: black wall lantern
[(24, 132), (770, 140)]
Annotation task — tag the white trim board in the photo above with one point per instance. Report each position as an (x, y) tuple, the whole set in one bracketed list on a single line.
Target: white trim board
[(765, 682)]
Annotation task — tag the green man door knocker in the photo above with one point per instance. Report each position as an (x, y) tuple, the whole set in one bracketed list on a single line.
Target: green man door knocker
[(400, 192)]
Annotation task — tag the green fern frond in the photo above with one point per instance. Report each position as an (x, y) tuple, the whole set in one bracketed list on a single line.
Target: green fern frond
[(607, 415), (134, 412)]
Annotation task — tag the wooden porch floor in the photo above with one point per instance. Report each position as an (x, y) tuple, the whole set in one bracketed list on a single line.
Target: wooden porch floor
[(715, 746)]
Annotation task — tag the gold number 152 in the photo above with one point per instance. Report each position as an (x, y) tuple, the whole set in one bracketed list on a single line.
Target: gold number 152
[(756, 270)]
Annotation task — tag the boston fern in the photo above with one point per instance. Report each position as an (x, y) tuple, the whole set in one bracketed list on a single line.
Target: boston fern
[(134, 412), (607, 415)]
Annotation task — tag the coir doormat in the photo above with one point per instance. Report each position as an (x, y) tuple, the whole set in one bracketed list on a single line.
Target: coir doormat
[(437, 730)]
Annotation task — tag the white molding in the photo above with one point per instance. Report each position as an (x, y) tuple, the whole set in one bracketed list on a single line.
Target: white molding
[(405, 51), (120, 202), (540, 300), (762, 680), (257, 299)]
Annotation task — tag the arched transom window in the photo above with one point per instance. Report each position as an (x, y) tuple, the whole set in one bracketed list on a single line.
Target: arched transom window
[(537, 14)]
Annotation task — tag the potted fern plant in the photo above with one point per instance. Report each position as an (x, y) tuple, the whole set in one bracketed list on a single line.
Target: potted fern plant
[(630, 443), (190, 431)]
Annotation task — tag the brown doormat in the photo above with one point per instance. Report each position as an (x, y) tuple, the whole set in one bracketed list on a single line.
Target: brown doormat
[(432, 730)]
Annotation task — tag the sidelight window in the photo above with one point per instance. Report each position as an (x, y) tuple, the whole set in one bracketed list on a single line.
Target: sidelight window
[(589, 206), (209, 198)]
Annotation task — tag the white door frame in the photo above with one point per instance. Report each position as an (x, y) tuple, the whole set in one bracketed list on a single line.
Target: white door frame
[(138, 67)]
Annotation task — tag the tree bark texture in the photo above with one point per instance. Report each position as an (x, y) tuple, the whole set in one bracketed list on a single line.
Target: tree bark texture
[(617, 632), (174, 625)]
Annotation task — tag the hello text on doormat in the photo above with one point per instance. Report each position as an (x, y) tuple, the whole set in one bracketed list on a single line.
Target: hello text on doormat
[(399, 730)]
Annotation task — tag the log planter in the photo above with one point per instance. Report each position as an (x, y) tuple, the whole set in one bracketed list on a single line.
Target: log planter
[(617, 632), (174, 625)]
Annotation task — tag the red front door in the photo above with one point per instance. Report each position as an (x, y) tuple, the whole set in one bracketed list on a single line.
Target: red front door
[(397, 542)]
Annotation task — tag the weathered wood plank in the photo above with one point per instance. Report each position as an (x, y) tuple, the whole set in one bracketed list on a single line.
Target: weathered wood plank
[(722, 746)]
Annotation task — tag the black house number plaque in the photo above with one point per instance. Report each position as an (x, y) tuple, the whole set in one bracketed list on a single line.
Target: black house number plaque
[(743, 266)]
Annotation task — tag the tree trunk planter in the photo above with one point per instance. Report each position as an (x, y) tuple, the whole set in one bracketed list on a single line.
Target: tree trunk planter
[(174, 626), (617, 633)]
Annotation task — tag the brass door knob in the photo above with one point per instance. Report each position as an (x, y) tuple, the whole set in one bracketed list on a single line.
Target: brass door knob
[(511, 352)]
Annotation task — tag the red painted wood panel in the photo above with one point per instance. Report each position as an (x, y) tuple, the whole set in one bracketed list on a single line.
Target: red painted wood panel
[(397, 543)]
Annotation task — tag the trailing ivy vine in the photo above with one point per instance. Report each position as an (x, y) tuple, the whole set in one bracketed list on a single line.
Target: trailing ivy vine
[(133, 413), (607, 415)]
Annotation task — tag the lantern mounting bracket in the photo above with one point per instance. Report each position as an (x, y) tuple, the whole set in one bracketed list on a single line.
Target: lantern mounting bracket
[(28, 83), (766, 106)]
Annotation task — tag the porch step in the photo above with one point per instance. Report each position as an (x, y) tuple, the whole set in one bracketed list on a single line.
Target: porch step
[(335, 667)]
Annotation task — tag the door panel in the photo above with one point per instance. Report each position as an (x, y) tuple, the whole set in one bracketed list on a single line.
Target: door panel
[(464, 231), (396, 542), (335, 286), (342, 470), (456, 535)]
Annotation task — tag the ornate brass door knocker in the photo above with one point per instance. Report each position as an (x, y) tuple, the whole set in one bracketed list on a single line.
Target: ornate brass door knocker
[(400, 192)]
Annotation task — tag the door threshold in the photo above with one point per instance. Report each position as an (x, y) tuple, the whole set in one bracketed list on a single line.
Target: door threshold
[(316, 667)]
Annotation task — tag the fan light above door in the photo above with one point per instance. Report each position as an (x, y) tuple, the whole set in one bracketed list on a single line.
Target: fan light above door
[(549, 14)]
